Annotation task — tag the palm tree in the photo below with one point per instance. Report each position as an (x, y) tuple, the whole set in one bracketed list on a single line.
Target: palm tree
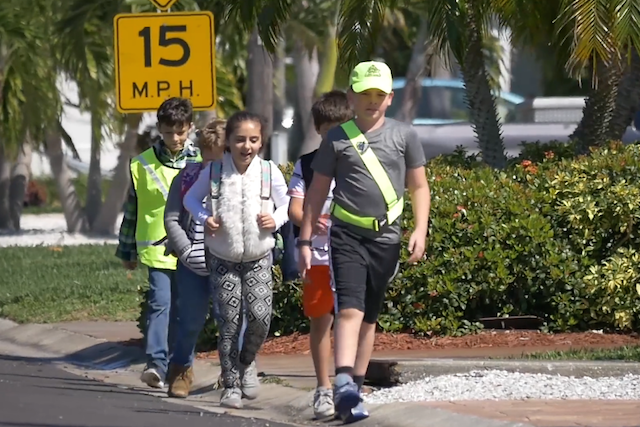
[(627, 99), (604, 31), (84, 34), (29, 99), (457, 25)]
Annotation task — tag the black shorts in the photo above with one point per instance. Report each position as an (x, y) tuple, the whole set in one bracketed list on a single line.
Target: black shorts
[(361, 270)]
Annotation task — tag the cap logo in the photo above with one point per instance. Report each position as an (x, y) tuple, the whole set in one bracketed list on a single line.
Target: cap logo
[(373, 71)]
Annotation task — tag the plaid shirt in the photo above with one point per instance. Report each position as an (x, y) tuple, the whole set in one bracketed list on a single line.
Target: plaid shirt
[(127, 250)]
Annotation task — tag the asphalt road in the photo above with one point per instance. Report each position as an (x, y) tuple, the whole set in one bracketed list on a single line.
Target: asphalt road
[(36, 394)]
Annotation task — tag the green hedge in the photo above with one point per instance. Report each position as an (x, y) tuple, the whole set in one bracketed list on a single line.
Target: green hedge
[(552, 236)]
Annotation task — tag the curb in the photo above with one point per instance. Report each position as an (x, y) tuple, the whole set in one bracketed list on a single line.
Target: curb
[(393, 372), (120, 365)]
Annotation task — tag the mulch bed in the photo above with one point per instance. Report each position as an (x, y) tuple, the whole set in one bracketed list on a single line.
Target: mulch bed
[(299, 343)]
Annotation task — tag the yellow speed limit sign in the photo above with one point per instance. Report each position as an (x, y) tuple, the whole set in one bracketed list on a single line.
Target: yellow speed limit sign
[(162, 55)]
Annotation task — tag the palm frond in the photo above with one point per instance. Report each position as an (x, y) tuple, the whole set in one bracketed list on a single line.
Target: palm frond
[(359, 25)]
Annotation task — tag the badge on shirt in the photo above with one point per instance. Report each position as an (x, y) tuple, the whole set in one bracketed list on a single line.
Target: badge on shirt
[(362, 146)]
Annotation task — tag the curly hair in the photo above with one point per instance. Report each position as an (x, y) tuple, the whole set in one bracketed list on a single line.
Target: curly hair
[(213, 134)]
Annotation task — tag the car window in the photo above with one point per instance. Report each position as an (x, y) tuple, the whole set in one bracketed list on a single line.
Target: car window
[(447, 103), (436, 103)]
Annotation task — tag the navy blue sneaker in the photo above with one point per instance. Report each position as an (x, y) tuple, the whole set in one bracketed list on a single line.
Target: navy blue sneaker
[(345, 395), (358, 413)]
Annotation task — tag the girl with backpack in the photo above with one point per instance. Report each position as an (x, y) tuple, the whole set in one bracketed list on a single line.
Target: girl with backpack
[(245, 202)]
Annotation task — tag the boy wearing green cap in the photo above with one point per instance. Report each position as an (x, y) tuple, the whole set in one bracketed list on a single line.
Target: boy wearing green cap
[(370, 158)]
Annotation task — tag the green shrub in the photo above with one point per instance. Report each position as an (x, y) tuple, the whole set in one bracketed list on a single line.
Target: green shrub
[(552, 235)]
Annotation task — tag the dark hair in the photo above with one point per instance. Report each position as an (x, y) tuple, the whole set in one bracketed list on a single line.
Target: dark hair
[(175, 111), (331, 107), (245, 116)]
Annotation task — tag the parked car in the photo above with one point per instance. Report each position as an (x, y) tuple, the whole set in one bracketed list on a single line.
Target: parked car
[(442, 119)]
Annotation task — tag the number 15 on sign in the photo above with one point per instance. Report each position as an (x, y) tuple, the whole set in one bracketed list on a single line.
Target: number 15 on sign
[(161, 55)]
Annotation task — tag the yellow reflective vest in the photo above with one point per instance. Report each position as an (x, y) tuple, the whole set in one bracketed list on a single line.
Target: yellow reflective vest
[(151, 181)]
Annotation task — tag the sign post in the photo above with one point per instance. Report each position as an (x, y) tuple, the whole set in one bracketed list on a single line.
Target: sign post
[(162, 55), (163, 5)]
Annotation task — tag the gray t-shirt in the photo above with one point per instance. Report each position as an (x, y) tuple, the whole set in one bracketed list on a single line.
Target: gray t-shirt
[(398, 148)]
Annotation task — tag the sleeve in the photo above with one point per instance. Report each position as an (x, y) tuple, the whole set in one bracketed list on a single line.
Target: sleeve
[(296, 185), (127, 250), (413, 153), (279, 196), (325, 160), (196, 194), (176, 236)]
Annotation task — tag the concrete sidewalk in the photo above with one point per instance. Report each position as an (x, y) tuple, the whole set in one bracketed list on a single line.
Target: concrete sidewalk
[(94, 349)]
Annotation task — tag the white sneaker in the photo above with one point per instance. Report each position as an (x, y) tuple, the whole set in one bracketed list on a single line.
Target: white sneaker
[(231, 398), (152, 378), (250, 383), (323, 406)]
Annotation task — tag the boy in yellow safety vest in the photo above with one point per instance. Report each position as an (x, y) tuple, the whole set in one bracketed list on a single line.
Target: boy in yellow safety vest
[(142, 233), (370, 158)]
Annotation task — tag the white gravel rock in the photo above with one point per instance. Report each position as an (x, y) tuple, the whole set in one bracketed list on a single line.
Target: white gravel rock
[(50, 230), (502, 385)]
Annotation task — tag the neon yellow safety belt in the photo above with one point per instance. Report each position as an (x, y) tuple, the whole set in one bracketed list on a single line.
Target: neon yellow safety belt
[(395, 206)]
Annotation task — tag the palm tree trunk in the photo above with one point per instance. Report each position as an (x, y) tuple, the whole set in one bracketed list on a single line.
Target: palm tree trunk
[(71, 206), (307, 70), (260, 90), (5, 181), (480, 99), (627, 100), (93, 203), (416, 71), (106, 221), (20, 176), (279, 85), (593, 128), (328, 64)]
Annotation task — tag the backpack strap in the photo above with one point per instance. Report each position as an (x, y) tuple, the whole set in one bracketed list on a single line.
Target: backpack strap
[(305, 167), (216, 178), (189, 176), (265, 190)]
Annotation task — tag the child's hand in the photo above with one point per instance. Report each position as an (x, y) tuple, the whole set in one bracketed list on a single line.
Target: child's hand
[(130, 265), (266, 222), (211, 225), (321, 227), (416, 247)]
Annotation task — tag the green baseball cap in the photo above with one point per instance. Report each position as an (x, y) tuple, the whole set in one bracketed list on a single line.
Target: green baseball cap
[(371, 75)]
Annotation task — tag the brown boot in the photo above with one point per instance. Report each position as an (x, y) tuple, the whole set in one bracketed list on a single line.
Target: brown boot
[(180, 381)]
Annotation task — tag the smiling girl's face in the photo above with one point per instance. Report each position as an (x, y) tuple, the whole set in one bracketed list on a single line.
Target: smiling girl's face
[(245, 143)]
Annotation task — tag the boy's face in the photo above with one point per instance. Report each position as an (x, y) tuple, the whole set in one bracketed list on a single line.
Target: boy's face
[(325, 128), (370, 104), (174, 137)]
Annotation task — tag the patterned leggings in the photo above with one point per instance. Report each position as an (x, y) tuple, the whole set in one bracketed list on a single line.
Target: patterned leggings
[(235, 285)]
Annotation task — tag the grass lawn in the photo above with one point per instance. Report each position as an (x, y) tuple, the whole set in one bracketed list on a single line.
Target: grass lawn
[(626, 353), (57, 284)]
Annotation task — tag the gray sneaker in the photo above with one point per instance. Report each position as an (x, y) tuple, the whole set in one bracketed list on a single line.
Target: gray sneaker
[(231, 398), (249, 381), (323, 406)]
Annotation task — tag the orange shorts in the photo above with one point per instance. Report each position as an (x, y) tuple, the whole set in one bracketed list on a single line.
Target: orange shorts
[(317, 295)]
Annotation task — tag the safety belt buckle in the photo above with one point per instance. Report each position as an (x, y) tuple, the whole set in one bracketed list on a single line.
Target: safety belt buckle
[(380, 222)]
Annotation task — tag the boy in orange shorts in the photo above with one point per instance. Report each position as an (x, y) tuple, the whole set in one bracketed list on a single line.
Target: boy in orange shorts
[(330, 110)]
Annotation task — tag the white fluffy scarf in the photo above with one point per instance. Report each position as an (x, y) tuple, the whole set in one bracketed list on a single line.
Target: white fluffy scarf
[(240, 238)]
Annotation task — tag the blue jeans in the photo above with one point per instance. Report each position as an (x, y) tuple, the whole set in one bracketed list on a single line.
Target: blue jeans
[(161, 319), (194, 296)]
